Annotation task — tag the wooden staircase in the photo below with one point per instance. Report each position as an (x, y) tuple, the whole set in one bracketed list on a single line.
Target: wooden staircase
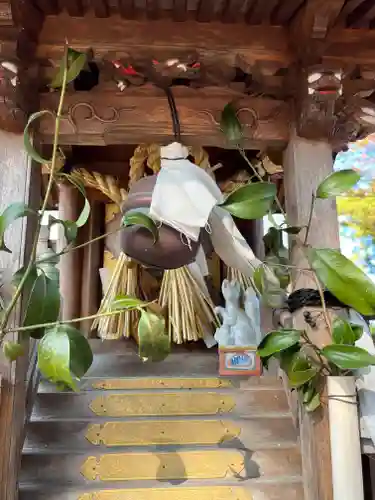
[(166, 431)]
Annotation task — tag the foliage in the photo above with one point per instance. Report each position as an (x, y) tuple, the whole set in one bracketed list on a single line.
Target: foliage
[(64, 354), (304, 363)]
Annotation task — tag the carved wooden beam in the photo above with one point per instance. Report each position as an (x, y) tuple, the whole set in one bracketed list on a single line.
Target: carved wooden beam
[(142, 115)]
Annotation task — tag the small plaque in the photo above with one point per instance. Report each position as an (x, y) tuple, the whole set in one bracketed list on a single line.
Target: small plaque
[(239, 361)]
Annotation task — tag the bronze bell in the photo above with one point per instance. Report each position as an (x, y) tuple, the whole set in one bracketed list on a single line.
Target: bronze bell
[(172, 250)]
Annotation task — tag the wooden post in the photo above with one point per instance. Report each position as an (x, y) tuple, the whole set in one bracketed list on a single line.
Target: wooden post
[(92, 258), (70, 202), (19, 182), (306, 164)]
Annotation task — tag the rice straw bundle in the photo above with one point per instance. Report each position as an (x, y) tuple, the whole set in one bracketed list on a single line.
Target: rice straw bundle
[(124, 281), (236, 275), (191, 313)]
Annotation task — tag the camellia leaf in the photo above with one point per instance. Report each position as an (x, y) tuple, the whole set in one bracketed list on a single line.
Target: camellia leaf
[(43, 304), (64, 355), (300, 371), (357, 331), (126, 302), (13, 350), (70, 228), (287, 357), (342, 332), (27, 136), (12, 213), (230, 124), (85, 213), (268, 285), (314, 403), (273, 241), (292, 229), (277, 341), (141, 219), (252, 201), (337, 183), (76, 63), (348, 357), (344, 279), (154, 341)]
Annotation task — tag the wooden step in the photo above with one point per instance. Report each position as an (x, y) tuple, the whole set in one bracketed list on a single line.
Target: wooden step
[(249, 490), (176, 364), (182, 466), (116, 404), (170, 383), (250, 433)]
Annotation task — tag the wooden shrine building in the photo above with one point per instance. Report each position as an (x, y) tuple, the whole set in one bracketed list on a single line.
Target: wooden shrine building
[(301, 74)]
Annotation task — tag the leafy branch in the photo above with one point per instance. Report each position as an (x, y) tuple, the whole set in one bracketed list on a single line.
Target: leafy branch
[(304, 363)]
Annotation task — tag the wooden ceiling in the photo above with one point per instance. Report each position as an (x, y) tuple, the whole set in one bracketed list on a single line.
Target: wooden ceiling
[(353, 13)]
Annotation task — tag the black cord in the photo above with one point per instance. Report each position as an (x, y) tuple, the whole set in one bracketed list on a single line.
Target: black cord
[(174, 114)]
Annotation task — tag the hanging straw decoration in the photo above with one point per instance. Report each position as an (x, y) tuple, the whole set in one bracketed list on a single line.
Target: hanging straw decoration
[(236, 275), (191, 313), (124, 281)]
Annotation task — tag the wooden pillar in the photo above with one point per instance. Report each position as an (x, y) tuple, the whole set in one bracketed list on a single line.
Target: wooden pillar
[(92, 259), (19, 182), (70, 204), (306, 164)]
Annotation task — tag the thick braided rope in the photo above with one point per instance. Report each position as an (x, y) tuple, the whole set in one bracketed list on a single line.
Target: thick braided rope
[(150, 155)]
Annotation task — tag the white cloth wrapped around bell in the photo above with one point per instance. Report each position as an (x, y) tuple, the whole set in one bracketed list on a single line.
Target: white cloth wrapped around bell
[(187, 198)]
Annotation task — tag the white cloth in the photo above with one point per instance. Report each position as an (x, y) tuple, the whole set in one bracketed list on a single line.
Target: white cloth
[(186, 198), (365, 380)]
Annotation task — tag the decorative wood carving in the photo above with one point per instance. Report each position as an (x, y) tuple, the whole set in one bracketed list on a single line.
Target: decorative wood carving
[(142, 115), (329, 107)]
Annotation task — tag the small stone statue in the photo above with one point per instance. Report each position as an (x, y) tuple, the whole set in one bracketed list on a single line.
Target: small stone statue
[(239, 328)]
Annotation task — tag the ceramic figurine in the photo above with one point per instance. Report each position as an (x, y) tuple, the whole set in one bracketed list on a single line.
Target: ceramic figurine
[(238, 328)]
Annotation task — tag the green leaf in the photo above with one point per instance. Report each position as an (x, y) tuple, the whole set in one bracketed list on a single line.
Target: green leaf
[(141, 219), (348, 357), (43, 304), (277, 341), (288, 356), (314, 403), (76, 63), (344, 279), (268, 286), (252, 201), (230, 124), (357, 331), (292, 229), (154, 341), (64, 355), (337, 183), (300, 372), (70, 228), (342, 332), (85, 213), (126, 302), (280, 269), (12, 213), (13, 350), (27, 136), (273, 241)]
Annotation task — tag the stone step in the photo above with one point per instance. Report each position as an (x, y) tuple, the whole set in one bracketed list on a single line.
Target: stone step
[(250, 433), (116, 404), (154, 467), (249, 490)]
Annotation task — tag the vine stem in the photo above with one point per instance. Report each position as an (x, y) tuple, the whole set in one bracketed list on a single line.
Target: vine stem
[(74, 320), (324, 307), (82, 245), (260, 178), (308, 227), (30, 265)]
